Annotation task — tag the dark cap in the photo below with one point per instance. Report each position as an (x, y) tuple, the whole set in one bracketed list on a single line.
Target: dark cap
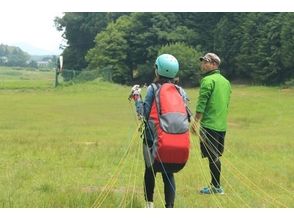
[(211, 57)]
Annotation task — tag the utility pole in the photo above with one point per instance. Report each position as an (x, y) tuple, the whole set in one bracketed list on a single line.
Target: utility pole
[(59, 66)]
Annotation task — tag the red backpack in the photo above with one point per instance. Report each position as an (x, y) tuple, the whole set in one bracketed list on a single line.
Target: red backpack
[(171, 126)]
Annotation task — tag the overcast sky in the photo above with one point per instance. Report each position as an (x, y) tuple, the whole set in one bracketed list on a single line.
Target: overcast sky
[(35, 28), (31, 21)]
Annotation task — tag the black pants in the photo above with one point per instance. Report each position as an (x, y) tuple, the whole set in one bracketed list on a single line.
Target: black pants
[(168, 180), (212, 147)]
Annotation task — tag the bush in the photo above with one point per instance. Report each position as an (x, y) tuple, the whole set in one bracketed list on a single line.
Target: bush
[(88, 75), (188, 60), (289, 84), (144, 73), (69, 74)]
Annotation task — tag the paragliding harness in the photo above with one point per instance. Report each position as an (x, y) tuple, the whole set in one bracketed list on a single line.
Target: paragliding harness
[(168, 123)]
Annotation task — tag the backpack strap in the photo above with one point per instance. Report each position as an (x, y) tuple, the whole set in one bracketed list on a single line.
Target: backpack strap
[(155, 87), (189, 112)]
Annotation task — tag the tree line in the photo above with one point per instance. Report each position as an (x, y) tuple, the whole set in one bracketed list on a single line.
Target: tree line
[(15, 57), (254, 47)]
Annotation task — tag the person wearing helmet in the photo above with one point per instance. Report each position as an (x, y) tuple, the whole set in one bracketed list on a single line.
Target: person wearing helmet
[(211, 113), (166, 70)]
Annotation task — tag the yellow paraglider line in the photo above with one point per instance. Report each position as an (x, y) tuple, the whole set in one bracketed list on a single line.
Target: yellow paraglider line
[(244, 177)]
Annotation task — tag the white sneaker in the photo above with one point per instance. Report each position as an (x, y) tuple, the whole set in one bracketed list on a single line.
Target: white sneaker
[(149, 205)]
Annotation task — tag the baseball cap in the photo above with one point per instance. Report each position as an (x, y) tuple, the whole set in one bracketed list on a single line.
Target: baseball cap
[(211, 57)]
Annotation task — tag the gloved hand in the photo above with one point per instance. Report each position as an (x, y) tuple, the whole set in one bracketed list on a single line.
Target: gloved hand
[(135, 92), (135, 88)]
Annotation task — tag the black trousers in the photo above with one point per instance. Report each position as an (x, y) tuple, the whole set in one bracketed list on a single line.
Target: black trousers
[(212, 147), (167, 171), (168, 180)]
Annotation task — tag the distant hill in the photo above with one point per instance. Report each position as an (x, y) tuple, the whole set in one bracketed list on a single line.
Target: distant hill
[(41, 57), (34, 50), (16, 56), (13, 56)]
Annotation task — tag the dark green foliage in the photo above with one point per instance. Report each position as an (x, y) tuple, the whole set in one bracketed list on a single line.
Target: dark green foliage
[(254, 47), (88, 75), (287, 46), (111, 51), (187, 58), (226, 42), (80, 29), (289, 84)]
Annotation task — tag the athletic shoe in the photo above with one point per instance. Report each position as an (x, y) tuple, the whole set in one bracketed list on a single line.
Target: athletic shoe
[(149, 205), (212, 190)]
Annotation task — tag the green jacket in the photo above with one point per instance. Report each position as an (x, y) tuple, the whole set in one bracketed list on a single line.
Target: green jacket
[(213, 101)]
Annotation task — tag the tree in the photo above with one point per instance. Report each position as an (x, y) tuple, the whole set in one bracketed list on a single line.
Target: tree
[(143, 34), (256, 47), (245, 58), (188, 61), (80, 30), (259, 58), (201, 26), (268, 66), (13, 56), (287, 46), (227, 42), (110, 51)]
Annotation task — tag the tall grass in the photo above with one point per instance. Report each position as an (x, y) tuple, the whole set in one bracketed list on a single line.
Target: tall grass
[(25, 78), (78, 146)]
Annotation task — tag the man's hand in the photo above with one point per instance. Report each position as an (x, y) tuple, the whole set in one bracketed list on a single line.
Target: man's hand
[(196, 123), (193, 128)]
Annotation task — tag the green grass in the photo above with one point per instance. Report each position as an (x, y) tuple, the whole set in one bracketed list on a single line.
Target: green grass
[(19, 78), (62, 147)]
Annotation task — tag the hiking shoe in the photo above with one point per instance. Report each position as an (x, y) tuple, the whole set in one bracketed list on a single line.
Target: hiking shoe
[(212, 190), (149, 205)]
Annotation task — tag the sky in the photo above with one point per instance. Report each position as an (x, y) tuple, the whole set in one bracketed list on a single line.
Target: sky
[(30, 22), (31, 29)]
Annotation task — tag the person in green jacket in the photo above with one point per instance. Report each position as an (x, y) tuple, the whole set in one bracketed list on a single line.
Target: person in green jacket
[(211, 113)]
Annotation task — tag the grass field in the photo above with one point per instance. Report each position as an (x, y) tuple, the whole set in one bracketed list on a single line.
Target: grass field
[(77, 146)]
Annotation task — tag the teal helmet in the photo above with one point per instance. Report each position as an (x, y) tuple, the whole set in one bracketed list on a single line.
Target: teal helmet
[(167, 65)]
